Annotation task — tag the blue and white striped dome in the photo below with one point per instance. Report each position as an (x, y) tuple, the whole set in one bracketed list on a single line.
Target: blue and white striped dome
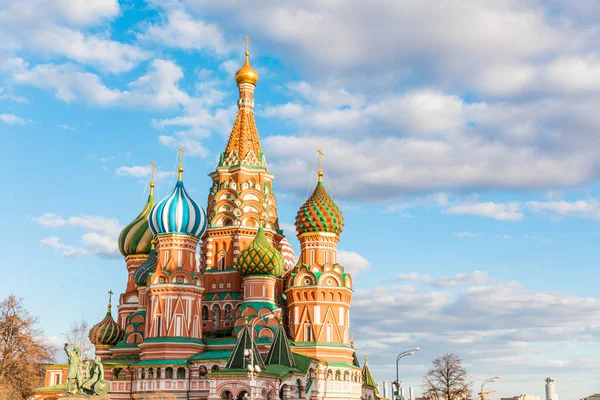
[(178, 213)]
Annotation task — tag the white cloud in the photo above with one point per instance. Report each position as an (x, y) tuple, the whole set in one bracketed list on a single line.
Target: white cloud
[(67, 250), (563, 208), (66, 127), (414, 276), (142, 171), (288, 229), (473, 278), (180, 30), (499, 211), (100, 237), (352, 262), (469, 235), (12, 119)]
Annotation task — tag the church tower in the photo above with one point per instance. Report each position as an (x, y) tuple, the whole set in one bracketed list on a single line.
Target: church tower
[(318, 289), (241, 195), (134, 244), (173, 329)]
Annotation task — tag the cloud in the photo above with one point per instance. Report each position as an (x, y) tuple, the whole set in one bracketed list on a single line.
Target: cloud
[(100, 237), (352, 262), (67, 250), (473, 278), (12, 119), (180, 30), (497, 211), (563, 208), (66, 127), (469, 235), (142, 171), (414, 276)]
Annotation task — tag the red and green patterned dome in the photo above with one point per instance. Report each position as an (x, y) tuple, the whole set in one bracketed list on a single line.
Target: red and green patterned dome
[(319, 213), (106, 332), (260, 258)]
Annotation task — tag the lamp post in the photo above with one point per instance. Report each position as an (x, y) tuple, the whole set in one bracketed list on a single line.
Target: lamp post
[(254, 369), (485, 382), (396, 383)]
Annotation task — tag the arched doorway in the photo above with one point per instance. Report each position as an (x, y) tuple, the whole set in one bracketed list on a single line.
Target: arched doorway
[(243, 395)]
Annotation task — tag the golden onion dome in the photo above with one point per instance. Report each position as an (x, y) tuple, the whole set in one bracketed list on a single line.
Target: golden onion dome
[(246, 74)]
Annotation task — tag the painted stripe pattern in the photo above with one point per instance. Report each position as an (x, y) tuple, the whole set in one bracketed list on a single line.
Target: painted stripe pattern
[(289, 258), (136, 237), (178, 213), (319, 214)]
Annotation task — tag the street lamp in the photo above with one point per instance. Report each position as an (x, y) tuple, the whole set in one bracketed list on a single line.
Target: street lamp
[(485, 382), (396, 383), (254, 369)]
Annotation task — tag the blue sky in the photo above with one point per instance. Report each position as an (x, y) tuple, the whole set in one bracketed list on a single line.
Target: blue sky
[(461, 141)]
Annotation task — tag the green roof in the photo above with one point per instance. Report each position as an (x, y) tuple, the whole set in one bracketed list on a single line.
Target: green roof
[(161, 362), (212, 355), (368, 379), (280, 352), (237, 359), (342, 365), (128, 359)]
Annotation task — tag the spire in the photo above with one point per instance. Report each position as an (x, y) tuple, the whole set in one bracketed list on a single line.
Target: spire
[(243, 147), (237, 359), (110, 293), (368, 379), (153, 166), (320, 172), (280, 352), (180, 169)]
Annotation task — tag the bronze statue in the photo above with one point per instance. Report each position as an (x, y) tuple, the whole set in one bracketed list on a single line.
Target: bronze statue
[(74, 371), (96, 384)]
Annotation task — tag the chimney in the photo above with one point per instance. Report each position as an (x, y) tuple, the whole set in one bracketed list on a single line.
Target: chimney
[(551, 389), (384, 389), (411, 394)]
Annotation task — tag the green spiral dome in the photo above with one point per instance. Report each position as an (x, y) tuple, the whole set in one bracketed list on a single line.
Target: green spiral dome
[(106, 332), (136, 237), (260, 258)]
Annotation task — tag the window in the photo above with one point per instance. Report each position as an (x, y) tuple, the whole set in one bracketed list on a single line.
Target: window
[(228, 312), (251, 291), (157, 326), (169, 373), (178, 325), (216, 316), (150, 373), (179, 258), (326, 253), (180, 373), (308, 333), (204, 313), (222, 263), (202, 371), (228, 285), (312, 257), (214, 368), (329, 333), (264, 291), (220, 286)]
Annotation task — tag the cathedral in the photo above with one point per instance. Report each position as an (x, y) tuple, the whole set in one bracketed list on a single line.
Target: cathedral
[(217, 306)]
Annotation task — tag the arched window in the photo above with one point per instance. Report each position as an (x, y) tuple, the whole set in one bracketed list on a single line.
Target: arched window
[(338, 375), (158, 370), (214, 368), (228, 312), (242, 395), (216, 316), (143, 374), (169, 373), (180, 373), (150, 373), (308, 333), (204, 313), (222, 263), (226, 395), (116, 374), (202, 371), (299, 387), (251, 291)]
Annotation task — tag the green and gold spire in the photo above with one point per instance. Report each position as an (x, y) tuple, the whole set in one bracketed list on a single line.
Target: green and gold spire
[(136, 237), (319, 213), (260, 257)]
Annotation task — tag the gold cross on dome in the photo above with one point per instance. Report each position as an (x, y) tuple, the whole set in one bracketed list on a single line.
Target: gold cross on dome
[(153, 165), (181, 151), (110, 293), (247, 45), (320, 159)]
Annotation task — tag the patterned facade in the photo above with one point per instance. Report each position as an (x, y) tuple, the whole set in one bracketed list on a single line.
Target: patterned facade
[(188, 319)]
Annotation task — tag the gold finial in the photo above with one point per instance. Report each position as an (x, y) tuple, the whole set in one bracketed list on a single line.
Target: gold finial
[(153, 166), (320, 172), (366, 358), (110, 293), (261, 222), (246, 74), (180, 169)]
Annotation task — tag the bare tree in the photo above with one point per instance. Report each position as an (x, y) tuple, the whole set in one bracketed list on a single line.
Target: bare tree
[(23, 350), (78, 336), (447, 379)]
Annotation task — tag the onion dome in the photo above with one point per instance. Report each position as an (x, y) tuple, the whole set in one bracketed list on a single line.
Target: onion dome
[(136, 237), (319, 213), (260, 258), (146, 268), (289, 257), (178, 213), (246, 74), (106, 332)]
